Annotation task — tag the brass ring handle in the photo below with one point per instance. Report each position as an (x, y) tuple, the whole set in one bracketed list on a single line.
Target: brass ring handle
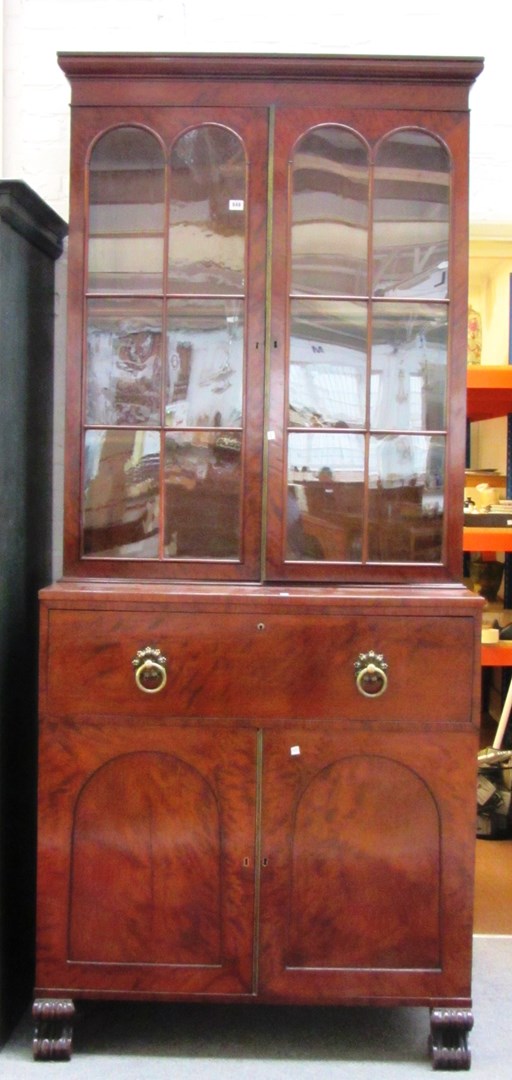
[(371, 674), (150, 672)]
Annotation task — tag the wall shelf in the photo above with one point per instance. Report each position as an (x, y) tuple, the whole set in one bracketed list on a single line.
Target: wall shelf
[(487, 539), (489, 391), (498, 655), (489, 395)]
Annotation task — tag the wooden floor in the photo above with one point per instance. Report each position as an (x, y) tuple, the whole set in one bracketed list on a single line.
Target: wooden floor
[(493, 887), (493, 876)]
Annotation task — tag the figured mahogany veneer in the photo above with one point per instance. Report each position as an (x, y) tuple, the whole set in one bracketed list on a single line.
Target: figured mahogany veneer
[(259, 780), (255, 828), (258, 664)]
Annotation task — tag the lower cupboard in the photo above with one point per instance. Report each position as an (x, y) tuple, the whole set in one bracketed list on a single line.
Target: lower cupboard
[(282, 860)]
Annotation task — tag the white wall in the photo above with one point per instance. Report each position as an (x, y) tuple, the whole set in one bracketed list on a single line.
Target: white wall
[(35, 114)]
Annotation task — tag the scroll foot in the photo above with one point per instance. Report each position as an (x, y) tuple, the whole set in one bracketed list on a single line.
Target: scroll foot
[(449, 1045), (53, 1035)]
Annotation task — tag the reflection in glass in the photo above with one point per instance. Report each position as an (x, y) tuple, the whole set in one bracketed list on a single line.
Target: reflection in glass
[(325, 496), (411, 216), (409, 358), (207, 212), (126, 212), (202, 495), (330, 213), (205, 363), (121, 500), (406, 498), (327, 363), (124, 343)]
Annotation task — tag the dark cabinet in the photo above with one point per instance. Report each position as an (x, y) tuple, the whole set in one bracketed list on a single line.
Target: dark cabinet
[(248, 700), (31, 238)]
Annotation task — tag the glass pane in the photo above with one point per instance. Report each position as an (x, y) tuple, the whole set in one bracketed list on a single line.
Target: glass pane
[(327, 364), (205, 367), (406, 498), (207, 212), (121, 493), (202, 495), (330, 213), (126, 219), (325, 496), (124, 360), (411, 216), (409, 358)]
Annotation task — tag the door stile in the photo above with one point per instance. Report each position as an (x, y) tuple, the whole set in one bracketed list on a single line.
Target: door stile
[(258, 856), (267, 320)]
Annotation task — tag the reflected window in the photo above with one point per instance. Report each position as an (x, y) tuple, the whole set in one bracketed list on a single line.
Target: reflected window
[(409, 365), (126, 212), (205, 363), (329, 232), (208, 212), (411, 216), (124, 361), (328, 355)]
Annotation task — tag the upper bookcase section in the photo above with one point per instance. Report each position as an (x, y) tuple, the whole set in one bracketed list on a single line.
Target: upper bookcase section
[(267, 317)]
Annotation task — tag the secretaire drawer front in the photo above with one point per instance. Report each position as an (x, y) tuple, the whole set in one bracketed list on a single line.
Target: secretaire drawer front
[(256, 665)]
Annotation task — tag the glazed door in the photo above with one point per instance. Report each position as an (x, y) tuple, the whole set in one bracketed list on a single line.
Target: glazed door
[(363, 854), (146, 864), (265, 381), (361, 433), (167, 343)]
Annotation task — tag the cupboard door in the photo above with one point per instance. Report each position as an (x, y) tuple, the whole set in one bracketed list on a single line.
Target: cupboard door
[(365, 846), (146, 859)]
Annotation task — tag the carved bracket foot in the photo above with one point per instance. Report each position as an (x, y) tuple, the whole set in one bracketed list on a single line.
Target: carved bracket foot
[(53, 1035), (449, 1046)]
